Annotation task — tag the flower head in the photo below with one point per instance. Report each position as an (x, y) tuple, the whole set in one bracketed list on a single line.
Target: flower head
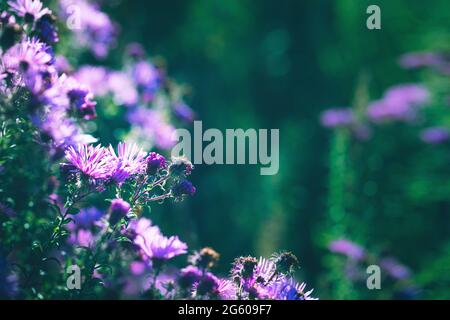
[(289, 289), (183, 188), (347, 248), (91, 161), (30, 10), (119, 208), (337, 117), (129, 160), (155, 162)]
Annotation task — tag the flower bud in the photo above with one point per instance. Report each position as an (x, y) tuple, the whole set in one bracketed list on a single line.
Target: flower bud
[(183, 188), (118, 209), (155, 162)]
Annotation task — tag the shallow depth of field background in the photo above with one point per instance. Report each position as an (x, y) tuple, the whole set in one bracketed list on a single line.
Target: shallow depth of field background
[(278, 64)]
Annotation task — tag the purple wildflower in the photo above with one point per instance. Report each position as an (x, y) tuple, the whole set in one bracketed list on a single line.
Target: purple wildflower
[(80, 99), (151, 125), (123, 89), (119, 208), (289, 289), (189, 276), (130, 160), (337, 117), (30, 10), (399, 103), (183, 188), (156, 246), (435, 135), (46, 29), (395, 269), (146, 76), (91, 161), (155, 162), (94, 78), (87, 217), (347, 248), (183, 112), (82, 238), (96, 31)]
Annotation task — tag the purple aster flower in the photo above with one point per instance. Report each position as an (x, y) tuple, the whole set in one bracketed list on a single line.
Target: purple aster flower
[(183, 188), (46, 29), (140, 227), (289, 289), (435, 135), (155, 246), (94, 78), (28, 56), (80, 99), (180, 166), (347, 248), (419, 59), (119, 208), (155, 162), (96, 30), (62, 65), (30, 10), (183, 112), (82, 238), (87, 217), (123, 89), (152, 126), (146, 76), (130, 160), (395, 269), (91, 161), (189, 276), (399, 103), (337, 117)]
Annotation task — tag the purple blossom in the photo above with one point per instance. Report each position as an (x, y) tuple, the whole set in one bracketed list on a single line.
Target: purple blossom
[(46, 29), (435, 135), (183, 188), (146, 76), (96, 30), (289, 289), (183, 112), (347, 248), (129, 160), (337, 117), (119, 208), (122, 88), (29, 9), (94, 78), (91, 161), (155, 162), (437, 61), (80, 99), (151, 125), (87, 217), (399, 103), (395, 269), (154, 245), (82, 238), (189, 276)]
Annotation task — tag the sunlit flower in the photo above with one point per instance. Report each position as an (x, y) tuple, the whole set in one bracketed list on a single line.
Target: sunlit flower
[(91, 161), (29, 9), (129, 160)]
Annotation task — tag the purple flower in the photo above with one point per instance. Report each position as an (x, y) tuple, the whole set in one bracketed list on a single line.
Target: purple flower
[(80, 99), (289, 289), (399, 103), (152, 126), (189, 276), (435, 135), (46, 29), (119, 208), (94, 78), (30, 10), (87, 217), (82, 238), (419, 59), (337, 117), (123, 89), (146, 76), (27, 57), (395, 269), (183, 112), (183, 188), (155, 162), (95, 30), (347, 248), (130, 160), (91, 161), (154, 245), (140, 227)]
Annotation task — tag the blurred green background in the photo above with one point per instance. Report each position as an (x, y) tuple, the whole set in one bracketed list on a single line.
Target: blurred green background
[(278, 64)]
